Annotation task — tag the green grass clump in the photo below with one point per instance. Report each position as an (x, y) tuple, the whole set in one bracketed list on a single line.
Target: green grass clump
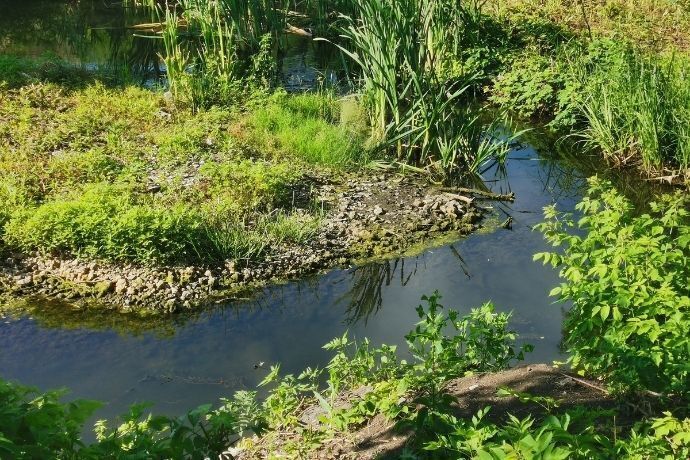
[(104, 222), (16, 71), (418, 107), (305, 126), (637, 109)]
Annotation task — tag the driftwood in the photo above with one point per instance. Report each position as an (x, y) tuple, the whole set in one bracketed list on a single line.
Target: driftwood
[(297, 31), (481, 193)]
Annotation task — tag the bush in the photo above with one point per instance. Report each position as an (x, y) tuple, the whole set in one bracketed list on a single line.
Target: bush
[(35, 425), (528, 87), (627, 276)]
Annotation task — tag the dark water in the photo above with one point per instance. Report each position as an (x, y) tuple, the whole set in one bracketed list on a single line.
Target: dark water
[(93, 34), (200, 359), (98, 34)]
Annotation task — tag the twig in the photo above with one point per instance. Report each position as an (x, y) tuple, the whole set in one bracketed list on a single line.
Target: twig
[(586, 383)]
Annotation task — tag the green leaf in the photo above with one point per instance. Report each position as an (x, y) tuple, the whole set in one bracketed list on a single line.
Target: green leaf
[(604, 312)]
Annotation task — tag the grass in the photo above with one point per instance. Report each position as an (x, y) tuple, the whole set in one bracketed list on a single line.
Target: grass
[(305, 125), (656, 25), (638, 108), (627, 100), (121, 173)]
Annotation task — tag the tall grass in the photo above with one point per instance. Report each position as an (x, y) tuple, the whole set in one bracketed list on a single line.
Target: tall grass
[(399, 48), (213, 49), (637, 110)]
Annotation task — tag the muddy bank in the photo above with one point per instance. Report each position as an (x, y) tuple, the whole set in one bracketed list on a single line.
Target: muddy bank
[(380, 438), (378, 216)]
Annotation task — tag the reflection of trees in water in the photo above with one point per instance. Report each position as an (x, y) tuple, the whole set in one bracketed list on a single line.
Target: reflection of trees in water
[(366, 293), (89, 32), (365, 297)]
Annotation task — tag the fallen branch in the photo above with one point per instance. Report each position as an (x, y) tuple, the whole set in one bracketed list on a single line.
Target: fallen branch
[(584, 382), (481, 193)]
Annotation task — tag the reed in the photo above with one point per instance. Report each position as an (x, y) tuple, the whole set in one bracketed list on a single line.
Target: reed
[(214, 50), (400, 48), (637, 110)]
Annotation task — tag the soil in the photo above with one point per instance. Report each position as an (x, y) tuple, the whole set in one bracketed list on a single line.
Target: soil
[(379, 438), (377, 216)]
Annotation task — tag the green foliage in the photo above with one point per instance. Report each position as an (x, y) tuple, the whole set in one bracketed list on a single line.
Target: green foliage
[(573, 434), (638, 108), (38, 425), (528, 87), (246, 185), (627, 276), (219, 52), (304, 126), (35, 425), (201, 433), (103, 222), (122, 174)]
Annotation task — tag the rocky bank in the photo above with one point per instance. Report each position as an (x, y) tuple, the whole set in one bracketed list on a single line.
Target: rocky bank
[(377, 216)]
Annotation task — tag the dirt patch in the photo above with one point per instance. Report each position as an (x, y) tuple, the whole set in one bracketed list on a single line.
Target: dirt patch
[(376, 216), (380, 439)]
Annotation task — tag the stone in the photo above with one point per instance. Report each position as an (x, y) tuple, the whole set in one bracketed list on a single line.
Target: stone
[(378, 210), (103, 288), (120, 286), (24, 281)]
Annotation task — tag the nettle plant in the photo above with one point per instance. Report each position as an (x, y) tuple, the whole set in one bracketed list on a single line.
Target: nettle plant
[(628, 277)]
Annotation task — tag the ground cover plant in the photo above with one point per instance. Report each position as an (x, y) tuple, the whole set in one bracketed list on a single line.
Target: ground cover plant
[(124, 174)]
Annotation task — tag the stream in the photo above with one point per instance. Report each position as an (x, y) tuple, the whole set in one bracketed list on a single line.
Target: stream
[(181, 362)]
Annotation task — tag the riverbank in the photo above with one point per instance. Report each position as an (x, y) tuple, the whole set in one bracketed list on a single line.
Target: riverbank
[(360, 218), (378, 437)]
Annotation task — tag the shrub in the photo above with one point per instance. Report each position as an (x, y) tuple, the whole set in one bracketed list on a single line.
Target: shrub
[(528, 87), (38, 425), (627, 276)]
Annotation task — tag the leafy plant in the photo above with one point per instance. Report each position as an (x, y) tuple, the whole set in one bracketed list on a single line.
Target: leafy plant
[(627, 277), (38, 425)]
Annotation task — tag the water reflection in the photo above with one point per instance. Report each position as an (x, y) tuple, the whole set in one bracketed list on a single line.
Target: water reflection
[(93, 34)]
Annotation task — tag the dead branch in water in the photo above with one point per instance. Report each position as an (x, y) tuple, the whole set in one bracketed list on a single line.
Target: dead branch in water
[(481, 193)]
